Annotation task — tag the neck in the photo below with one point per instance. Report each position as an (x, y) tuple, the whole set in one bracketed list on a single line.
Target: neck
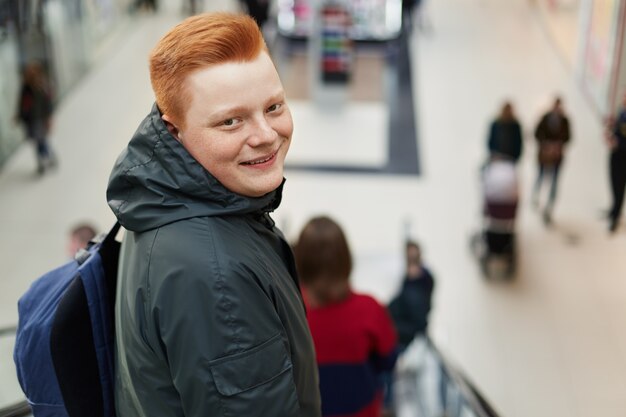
[(328, 294)]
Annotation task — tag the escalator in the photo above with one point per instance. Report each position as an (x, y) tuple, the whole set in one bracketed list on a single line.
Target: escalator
[(426, 384)]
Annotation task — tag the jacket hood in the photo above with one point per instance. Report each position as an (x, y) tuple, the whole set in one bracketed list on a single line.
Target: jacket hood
[(155, 181)]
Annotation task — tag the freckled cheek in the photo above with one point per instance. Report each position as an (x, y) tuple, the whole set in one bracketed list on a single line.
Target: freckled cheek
[(285, 126)]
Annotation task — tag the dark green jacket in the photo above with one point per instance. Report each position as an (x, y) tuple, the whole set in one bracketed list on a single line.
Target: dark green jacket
[(209, 316)]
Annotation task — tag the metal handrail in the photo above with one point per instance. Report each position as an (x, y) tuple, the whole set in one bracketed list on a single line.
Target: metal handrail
[(471, 394), (21, 408), (8, 330)]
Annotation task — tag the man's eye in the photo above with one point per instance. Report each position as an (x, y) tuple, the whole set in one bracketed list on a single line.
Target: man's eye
[(229, 122), (274, 107)]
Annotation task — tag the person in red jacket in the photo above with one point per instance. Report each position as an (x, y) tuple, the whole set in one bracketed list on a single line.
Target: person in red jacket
[(354, 337)]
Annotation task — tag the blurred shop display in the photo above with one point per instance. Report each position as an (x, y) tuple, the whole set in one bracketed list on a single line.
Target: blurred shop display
[(374, 20), (336, 44), (602, 52)]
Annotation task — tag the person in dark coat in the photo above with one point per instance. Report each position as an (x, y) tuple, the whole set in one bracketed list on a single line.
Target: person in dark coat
[(258, 9), (146, 4), (553, 134), (616, 136), (35, 113), (410, 308), (505, 135), (209, 319)]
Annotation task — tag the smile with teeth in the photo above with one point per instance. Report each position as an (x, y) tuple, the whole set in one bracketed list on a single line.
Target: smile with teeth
[(260, 161)]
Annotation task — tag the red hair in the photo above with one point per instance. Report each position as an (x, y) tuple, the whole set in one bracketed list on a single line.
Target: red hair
[(198, 42)]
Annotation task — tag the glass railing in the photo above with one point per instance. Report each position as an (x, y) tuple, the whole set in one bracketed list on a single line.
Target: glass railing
[(427, 385), (12, 401)]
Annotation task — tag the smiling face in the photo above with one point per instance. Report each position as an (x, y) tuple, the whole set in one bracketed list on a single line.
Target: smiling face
[(237, 124)]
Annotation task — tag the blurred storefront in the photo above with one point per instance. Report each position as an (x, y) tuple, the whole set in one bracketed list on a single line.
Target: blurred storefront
[(603, 59), (589, 37), (63, 35), (561, 19)]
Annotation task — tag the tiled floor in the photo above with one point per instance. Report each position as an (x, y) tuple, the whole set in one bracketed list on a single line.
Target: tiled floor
[(551, 343)]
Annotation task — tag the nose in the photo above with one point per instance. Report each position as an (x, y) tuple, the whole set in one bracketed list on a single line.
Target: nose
[(262, 132)]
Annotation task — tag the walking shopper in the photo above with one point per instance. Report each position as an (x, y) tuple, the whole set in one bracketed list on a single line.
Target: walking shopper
[(552, 134), (34, 111), (505, 135), (616, 136)]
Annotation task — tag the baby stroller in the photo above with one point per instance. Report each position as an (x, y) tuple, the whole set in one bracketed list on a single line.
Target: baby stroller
[(500, 199)]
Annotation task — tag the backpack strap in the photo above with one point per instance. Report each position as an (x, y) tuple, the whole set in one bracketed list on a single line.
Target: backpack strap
[(103, 239), (112, 233)]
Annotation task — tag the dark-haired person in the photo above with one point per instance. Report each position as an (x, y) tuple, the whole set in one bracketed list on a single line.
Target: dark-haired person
[(505, 135), (354, 337), (209, 316), (34, 111), (553, 133), (616, 136), (411, 305)]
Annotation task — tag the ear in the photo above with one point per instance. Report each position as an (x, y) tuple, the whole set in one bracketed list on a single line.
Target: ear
[(172, 128)]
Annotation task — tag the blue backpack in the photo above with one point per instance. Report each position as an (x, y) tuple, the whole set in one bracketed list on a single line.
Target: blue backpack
[(65, 335)]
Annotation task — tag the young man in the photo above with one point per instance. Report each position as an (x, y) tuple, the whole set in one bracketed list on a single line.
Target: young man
[(209, 316)]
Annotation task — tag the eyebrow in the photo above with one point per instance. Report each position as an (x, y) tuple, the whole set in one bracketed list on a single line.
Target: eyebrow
[(226, 113)]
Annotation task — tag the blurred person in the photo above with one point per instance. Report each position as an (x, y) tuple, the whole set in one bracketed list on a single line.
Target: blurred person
[(34, 111), (191, 7), (79, 237), (414, 10), (354, 337), (616, 140), (505, 134), (500, 200), (258, 9), (150, 5), (552, 134), (210, 320), (411, 306), (500, 181)]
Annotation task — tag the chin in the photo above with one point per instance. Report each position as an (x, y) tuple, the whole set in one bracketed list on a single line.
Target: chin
[(268, 187)]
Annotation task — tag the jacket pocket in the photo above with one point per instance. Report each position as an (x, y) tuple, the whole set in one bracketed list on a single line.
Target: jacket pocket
[(257, 382)]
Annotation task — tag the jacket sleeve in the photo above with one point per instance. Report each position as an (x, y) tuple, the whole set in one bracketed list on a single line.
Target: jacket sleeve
[(567, 132), (491, 139), (24, 104), (384, 338), (540, 131), (220, 334), (519, 142)]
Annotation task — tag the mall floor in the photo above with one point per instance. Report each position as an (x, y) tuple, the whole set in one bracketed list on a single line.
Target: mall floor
[(549, 343)]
